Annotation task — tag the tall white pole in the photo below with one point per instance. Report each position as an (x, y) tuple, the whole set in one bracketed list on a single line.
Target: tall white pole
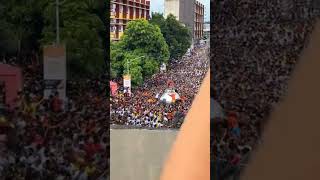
[(57, 22), (128, 67)]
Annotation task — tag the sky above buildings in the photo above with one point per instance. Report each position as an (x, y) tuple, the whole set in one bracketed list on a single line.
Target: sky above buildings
[(158, 6)]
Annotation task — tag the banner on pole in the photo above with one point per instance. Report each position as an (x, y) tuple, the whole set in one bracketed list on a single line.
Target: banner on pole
[(127, 83), (54, 71), (113, 88)]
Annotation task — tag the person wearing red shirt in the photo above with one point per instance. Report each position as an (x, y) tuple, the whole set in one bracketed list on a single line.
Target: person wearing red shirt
[(232, 120), (92, 147), (56, 103)]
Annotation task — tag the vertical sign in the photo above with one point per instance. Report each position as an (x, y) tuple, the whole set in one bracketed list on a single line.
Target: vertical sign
[(127, 83), (54, 71), (163, 67)]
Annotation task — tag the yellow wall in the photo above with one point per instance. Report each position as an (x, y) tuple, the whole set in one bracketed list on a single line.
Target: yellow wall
[(112, 35), (120, 34), (121, 15)]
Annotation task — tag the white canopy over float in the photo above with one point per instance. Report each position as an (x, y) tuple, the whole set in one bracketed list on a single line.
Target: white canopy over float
[(169, 96)]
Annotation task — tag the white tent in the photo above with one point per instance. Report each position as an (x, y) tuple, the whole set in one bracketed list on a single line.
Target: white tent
[(169, 96), (216, 110)]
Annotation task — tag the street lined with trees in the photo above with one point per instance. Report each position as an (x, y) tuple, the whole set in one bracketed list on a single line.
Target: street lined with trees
[(146, 45)]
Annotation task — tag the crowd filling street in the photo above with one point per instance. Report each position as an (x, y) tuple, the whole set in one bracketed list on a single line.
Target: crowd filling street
[(144, 109), (52, 139), (256, 47)]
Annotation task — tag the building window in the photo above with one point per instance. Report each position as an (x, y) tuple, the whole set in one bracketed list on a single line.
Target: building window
[(113, 28), (120, 28)]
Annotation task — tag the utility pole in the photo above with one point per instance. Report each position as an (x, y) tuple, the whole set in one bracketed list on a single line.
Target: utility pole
[(57, 23), (128, 68)]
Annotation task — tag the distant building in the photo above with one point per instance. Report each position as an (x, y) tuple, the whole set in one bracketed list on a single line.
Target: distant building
[(198, 20), (206, 30), (181, 9), (123, 11)]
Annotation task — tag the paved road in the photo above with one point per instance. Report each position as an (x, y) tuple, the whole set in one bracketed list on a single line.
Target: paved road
[(138, 154)]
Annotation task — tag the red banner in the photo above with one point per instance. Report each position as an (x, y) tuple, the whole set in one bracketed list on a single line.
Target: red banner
[(114, 88)]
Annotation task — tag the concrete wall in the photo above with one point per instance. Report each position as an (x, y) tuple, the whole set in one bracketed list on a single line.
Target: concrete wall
[(139, 154), (172, 7), (183, 10), (187, 13)]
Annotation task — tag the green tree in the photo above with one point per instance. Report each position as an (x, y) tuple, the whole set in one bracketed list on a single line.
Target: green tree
[(81, 31), (132, 65), (146, 38), (20, 24), (143, 66), (177, 36), (150, 67), (116, 59), (141, 50), (159, 20), (27, 25)]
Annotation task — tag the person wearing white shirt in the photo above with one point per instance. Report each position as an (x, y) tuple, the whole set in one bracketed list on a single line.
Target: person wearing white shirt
[(146, 122), (154, 124)]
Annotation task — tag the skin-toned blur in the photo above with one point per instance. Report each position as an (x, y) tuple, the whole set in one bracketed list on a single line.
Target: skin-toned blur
[(291, 140), (189, 158)]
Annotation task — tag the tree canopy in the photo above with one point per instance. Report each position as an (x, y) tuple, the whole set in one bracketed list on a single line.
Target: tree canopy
[(140, 52), (28, 25), (177, 36), (142, 36)]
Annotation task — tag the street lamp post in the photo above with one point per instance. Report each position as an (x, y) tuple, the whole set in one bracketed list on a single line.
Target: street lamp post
[(128, 67), (57, 23)]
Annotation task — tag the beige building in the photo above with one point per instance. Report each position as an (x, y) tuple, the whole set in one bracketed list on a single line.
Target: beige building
[(123, 11), (198, 20), (181, 9)]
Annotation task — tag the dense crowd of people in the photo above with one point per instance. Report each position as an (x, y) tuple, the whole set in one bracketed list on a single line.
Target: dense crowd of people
[(144, 108), (41, 138), (256, 47)]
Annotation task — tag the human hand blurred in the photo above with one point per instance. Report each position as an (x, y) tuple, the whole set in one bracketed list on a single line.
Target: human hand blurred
[(189, 158), (290, 148)]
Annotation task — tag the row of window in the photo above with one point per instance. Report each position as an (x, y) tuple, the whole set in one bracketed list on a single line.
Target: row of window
[(139, 12), (122, 8), (116, 28), (142, 2)]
